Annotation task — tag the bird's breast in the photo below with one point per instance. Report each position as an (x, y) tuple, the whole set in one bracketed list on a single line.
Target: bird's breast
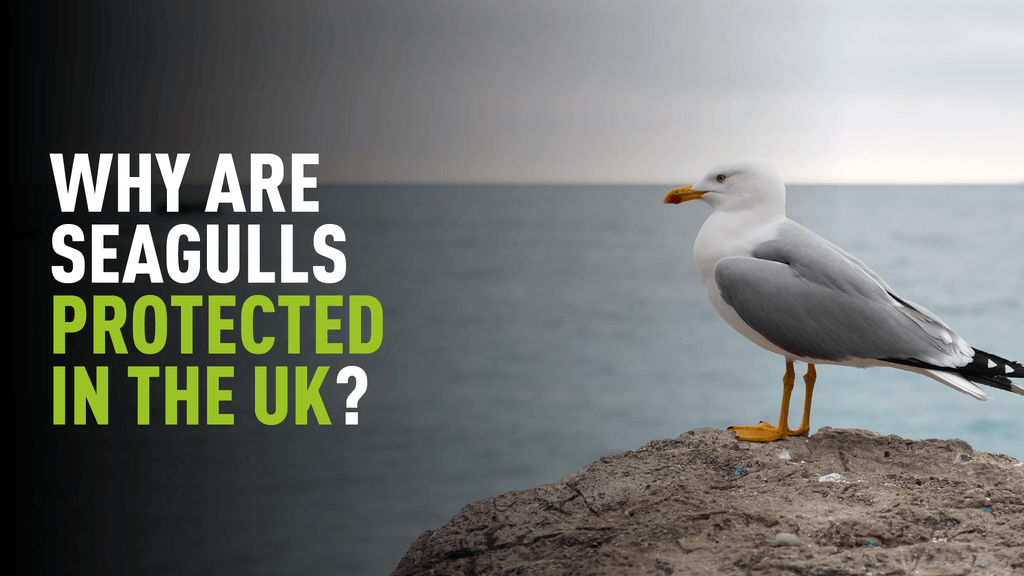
[(723, 238), (725, 235)]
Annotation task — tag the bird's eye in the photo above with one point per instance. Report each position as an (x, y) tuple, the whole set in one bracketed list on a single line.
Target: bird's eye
[(721, 178)]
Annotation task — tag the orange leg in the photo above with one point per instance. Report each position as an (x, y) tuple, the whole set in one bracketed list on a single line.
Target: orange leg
[(809, 378), (765, 432)]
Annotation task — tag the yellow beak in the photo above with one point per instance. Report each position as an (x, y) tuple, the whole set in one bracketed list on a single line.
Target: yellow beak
[(680, 195)]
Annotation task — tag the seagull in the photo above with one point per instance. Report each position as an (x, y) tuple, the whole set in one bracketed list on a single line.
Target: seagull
[(796, 294)]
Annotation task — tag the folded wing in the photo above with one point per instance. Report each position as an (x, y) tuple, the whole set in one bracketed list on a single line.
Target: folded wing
[(813, 300)]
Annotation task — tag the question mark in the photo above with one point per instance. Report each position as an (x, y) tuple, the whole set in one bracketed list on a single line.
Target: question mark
[(352, 403)]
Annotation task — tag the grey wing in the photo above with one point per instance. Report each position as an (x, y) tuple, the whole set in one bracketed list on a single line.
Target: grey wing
[(949, 341), (813, 300)]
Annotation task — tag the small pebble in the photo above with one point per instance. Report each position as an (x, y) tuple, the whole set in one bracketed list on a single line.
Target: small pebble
[(786, 540), (833, 477), (784, 454)]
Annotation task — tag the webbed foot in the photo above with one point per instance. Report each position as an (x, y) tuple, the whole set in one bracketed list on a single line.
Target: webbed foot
[(762, 432)]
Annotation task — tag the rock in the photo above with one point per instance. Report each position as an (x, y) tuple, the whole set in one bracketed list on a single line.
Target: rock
[(705, 503), (786, 540)]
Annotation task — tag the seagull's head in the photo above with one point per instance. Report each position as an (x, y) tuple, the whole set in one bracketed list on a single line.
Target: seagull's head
[(737, 185)]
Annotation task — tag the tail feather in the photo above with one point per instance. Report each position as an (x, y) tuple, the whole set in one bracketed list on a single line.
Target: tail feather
[(957, 382), (984, 368)]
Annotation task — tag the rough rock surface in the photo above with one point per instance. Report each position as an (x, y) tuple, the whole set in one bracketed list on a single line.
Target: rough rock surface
[(704, 503)]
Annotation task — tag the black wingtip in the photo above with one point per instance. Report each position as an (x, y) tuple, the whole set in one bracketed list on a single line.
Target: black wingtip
[(984, 368), (987, 363)]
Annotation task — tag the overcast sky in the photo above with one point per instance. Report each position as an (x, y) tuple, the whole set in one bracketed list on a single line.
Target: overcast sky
[(587, 91)]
